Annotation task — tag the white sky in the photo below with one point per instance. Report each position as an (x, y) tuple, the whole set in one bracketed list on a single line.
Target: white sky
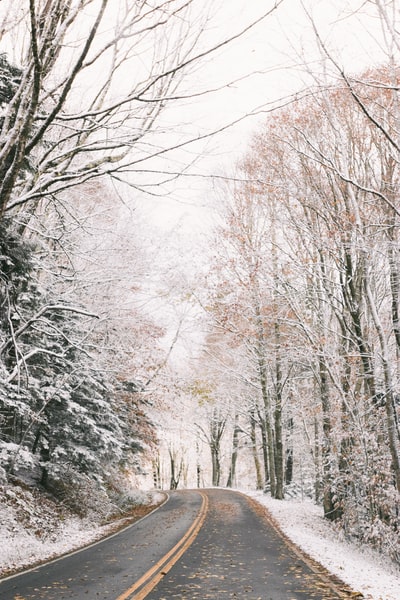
[(270, 60)]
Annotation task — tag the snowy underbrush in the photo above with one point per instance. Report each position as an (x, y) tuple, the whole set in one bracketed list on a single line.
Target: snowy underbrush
[(95, 497), (36, 527), (377, 528)]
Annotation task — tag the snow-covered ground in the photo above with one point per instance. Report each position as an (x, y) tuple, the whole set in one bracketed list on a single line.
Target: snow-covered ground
[(363, 570), (23, 549), (32, 532)]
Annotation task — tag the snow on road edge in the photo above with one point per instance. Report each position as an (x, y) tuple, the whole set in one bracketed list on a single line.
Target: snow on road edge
[(21, 549), (363, 570)]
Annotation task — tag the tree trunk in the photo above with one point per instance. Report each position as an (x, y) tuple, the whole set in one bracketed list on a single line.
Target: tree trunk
[(157, 473), (267, 408), (270, 448), (234, 454), (317, 463), (253, 439), (217, 428), (279, 492), (390, 403), (289, 453), (198, 466), (330, 510), (216, 465), (279, 462), (264, 448), (175, 472), (352, 296)]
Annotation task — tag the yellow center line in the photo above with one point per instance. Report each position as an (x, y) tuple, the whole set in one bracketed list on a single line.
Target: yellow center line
[(150, 579)]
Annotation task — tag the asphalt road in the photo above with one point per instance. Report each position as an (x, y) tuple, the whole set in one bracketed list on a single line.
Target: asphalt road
[(209, 544)]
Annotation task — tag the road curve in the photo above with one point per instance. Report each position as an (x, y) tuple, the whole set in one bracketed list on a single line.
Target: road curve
[(109, 568), (208, 544), (239, 554)]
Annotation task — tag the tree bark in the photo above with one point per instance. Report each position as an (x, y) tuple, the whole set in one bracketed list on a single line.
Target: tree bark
[(234, 453), (254, 451), (330, 510)]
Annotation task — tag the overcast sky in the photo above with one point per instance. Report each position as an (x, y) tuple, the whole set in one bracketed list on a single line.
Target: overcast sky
[(278, 57)]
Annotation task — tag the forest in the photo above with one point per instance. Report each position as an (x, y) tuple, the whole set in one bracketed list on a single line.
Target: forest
[(296, 387)]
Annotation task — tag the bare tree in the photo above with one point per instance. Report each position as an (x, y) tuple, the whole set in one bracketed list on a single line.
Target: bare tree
[(93, 78)]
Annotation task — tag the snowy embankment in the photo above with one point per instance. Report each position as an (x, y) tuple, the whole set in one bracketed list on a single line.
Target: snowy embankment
[(364, 570), (34, 529)]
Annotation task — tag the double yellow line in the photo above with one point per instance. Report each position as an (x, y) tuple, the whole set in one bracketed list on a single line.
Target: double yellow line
[(143, 586)]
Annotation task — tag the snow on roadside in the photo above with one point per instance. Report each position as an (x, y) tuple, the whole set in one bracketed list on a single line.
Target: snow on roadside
[(23, 549), (47, 536), (364, 570)]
